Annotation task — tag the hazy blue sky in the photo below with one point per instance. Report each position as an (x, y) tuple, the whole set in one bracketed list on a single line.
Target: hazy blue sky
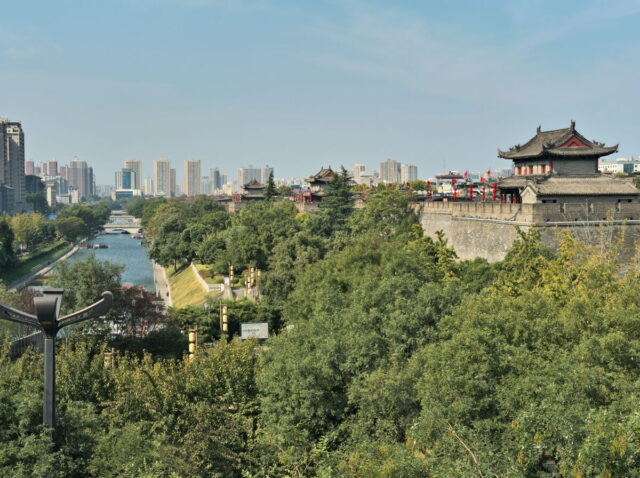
[(302, 84)]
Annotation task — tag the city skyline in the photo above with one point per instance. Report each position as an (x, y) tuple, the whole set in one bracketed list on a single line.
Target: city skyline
[(433, 85)]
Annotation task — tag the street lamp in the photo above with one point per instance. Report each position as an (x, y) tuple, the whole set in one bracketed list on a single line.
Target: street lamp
[(46, 319)]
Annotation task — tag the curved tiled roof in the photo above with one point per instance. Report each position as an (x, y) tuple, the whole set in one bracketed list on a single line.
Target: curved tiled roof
[(575, 185), (554, 143), (325, 175)]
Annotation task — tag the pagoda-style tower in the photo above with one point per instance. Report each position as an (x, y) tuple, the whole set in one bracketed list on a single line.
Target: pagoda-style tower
[(253, 190), (319, 182), (561, 166), (559, 151)]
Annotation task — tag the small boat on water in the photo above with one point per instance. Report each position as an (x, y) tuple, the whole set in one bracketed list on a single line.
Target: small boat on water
[(85, 245)]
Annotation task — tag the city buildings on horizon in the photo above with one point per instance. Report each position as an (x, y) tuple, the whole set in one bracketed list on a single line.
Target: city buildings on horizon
[(192, 177), (135, 165), (12, 167), (162, 177)]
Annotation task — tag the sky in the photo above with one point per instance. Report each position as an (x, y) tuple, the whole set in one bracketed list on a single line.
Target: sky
[(300, 85)]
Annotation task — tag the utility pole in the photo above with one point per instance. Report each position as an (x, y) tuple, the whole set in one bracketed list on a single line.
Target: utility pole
[(48, 321)]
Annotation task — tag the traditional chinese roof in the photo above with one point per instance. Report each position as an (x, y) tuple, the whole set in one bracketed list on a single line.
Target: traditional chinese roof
[(513, 182), (583, 185), (565, 143), (253, 184), (325, 175)]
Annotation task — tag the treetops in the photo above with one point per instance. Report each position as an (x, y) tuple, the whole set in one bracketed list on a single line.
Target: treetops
[(390, 358)]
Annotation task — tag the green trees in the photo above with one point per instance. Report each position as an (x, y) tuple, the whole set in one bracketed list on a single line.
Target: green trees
[(136, 418), (85, 280), (270, 189), (7, 255), (135, 206), (71, 228), (256, 230), (183, 232), (337, 204), (388, 357), (79, 220), (31, 230)]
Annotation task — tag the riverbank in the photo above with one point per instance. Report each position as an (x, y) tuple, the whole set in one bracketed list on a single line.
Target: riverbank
[(38, 265), (185, 287), (163, 289)]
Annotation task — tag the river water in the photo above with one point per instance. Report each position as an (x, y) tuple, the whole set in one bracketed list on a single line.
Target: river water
[(123, 249)]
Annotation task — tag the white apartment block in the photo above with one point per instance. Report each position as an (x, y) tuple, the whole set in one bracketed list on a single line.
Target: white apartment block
[(162, 177), (192, 177)]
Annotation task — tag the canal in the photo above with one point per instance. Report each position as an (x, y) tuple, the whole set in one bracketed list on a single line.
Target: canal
[(125, 250)]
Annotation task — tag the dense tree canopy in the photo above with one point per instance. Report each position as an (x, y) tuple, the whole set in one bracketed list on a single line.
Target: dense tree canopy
[(389, 357)]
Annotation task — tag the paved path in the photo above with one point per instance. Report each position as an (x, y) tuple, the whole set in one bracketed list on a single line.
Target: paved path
[(162, 283), (44, 268)]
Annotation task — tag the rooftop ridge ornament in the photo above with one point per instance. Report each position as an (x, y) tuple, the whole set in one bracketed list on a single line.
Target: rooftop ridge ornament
[(47, 319)]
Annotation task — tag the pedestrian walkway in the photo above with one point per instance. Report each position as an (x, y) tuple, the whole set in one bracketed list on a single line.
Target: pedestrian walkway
[(43, 269), (163, 289)]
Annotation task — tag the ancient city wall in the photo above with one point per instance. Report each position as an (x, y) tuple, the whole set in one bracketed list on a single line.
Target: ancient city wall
[(488, 229)]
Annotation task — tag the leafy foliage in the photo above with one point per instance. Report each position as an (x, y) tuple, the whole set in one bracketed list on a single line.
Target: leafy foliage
[(389, 357)]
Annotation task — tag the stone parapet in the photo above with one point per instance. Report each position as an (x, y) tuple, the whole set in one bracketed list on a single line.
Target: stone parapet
[(488, 230), (534, 213)]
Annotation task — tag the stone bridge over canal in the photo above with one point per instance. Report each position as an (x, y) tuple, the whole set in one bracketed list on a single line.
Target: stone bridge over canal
[(122, 222)]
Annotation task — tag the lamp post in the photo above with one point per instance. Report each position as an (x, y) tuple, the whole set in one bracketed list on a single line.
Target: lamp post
[(47, 319)]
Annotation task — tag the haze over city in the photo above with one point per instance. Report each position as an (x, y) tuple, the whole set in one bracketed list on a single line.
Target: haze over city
[(298, 86)]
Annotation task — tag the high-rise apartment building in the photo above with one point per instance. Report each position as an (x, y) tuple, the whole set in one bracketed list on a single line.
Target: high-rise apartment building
[(148, 186), (29, 168), (80, 177), (265, 173), (357, 171), (50, 168), (216, 182), (135, 165), (205, 185), (64, 172), (126, 179), (408, 173), (390, 171), (191, 184), (172, 182), (12, 166), (246, 175), (162, 177)]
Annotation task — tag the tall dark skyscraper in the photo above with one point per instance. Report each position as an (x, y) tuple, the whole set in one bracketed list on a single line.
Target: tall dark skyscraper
[(216, 182), (13, 195)]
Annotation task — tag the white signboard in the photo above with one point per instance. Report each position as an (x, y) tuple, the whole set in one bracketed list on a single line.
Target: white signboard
[(257, 330)]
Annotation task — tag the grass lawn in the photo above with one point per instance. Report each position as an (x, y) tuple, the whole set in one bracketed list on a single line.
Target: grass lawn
[(185, 288), (206, 271), (32, 262)]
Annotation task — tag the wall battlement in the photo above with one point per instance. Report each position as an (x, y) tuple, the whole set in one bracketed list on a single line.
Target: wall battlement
[(487, 230)]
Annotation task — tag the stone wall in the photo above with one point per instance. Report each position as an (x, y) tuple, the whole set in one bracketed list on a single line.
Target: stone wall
[(488, 229)]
